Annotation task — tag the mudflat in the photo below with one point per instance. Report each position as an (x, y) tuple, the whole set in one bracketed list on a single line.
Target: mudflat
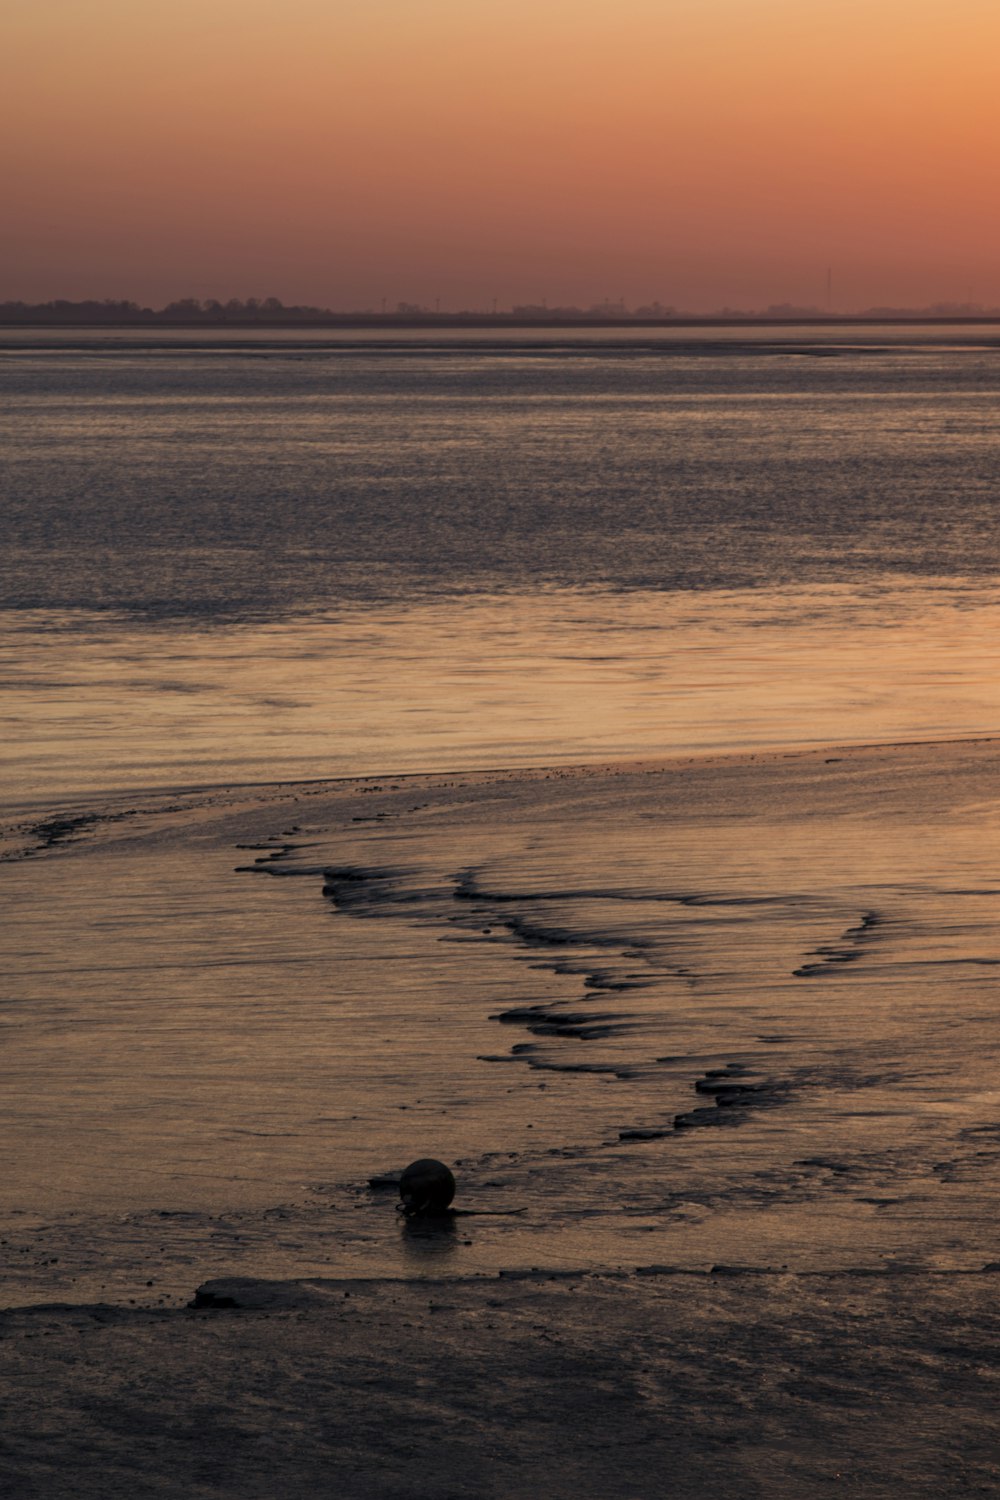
[(710, 1044), (626, 1386)]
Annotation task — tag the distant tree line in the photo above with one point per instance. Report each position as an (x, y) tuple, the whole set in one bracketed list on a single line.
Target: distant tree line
[(255, 312), (186, 312)]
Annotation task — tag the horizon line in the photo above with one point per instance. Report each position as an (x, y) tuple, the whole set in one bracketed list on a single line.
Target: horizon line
[(271, 312)]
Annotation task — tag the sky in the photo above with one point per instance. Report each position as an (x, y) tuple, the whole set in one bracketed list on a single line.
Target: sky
[(701, 153)]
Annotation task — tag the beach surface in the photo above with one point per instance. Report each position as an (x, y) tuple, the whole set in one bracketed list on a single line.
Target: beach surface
[(711, 1046)]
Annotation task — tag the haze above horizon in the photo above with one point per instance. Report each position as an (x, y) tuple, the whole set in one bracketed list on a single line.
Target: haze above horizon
[(724, 152)]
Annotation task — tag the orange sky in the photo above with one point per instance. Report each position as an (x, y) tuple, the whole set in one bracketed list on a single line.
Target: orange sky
[(340, 151)]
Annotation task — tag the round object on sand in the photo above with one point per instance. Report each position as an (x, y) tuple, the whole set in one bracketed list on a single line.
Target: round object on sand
[(426, 1187)]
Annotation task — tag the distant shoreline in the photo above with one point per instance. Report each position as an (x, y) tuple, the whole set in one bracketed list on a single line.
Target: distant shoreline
[(65, 317)]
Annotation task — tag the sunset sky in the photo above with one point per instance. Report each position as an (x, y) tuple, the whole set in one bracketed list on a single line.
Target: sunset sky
[(701, 152)]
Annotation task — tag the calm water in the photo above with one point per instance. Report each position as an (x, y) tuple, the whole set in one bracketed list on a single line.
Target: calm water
[(236, 559), (246, 556)]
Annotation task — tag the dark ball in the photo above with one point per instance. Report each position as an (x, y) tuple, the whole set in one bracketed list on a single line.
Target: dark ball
[(426, 1187)]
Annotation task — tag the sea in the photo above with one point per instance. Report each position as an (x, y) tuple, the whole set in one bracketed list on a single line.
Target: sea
[(253, 555), (389, 613)]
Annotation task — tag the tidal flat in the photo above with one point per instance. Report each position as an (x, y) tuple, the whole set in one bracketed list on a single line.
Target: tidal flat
[(710, 1043), (683, 955)]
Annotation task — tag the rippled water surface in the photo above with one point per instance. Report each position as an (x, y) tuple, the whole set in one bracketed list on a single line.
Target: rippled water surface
[(232, 479), (499, 680), (243, 557)]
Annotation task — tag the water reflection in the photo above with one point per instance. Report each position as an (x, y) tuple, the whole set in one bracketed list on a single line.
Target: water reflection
[(512, 680), (429, 1236)]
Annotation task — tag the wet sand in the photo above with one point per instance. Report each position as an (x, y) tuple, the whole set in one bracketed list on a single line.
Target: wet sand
[(711, 1043), (628, 1387)]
